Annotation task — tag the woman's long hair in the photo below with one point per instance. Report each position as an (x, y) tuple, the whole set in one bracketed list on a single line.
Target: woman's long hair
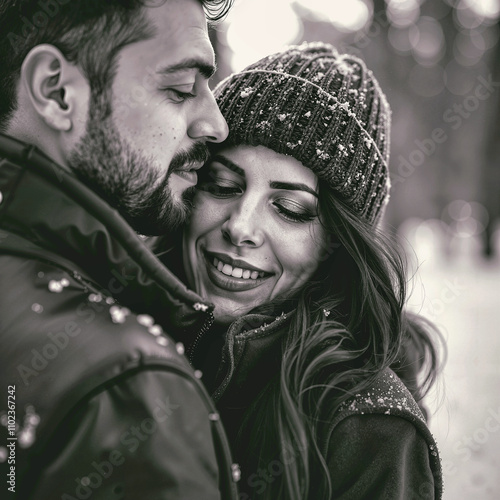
[(349, 324)]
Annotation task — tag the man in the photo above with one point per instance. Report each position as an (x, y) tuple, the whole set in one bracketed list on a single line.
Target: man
[(105, 111)]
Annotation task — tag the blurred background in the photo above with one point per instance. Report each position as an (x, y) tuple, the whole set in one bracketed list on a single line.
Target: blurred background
[(438, 61)]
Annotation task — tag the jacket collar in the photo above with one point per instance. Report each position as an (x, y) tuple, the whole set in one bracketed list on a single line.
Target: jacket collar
[(50, 208), (251, 357)]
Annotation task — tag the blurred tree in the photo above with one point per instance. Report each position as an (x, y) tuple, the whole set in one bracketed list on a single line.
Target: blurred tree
[(491, 160)]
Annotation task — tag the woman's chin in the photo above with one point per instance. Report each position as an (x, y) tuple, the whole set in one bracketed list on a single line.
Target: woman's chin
[(226, 312), (223, 319)]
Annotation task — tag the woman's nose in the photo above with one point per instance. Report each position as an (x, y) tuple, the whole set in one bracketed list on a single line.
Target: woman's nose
[(243, 227)]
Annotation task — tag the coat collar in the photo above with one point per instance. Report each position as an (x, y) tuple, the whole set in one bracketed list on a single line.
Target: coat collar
[(55, 212), (251, 357)]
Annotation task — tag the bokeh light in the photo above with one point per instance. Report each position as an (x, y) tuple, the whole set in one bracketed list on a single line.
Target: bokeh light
[(459, 210), (489, 9), (248, 45), (399, 38), (469, 14), (403, 13), (428, 238), (466, 219), (469, 47), (427, 40), (345, 16)]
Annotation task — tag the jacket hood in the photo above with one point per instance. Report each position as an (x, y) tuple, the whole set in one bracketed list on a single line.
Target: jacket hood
[(62, 219)]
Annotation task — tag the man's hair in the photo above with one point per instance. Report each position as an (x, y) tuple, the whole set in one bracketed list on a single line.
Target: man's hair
[(90, 33)]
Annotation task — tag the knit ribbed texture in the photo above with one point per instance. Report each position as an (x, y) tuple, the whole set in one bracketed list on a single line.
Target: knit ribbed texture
[(323, 108)]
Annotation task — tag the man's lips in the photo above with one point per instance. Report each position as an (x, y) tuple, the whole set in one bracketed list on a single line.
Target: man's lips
[(190, 175), (189, 167), (188, 172)]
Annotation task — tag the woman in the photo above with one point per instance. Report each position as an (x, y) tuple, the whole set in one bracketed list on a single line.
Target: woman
[(308, 293)]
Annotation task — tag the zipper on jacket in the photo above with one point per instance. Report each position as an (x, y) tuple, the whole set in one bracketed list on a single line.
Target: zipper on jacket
[(204, 329)]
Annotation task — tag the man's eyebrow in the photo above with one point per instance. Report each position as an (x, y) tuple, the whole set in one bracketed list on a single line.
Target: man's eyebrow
[(206, 70), (293, 186), (229, 164)]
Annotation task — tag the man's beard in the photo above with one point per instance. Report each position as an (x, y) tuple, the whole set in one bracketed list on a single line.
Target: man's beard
[(129, 180)]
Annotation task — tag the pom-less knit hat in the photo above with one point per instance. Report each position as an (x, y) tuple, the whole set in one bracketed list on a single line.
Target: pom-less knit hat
[(324, 109)]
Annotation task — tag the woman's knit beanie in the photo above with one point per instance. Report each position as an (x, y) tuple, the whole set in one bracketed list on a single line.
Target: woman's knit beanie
[(323, 108)]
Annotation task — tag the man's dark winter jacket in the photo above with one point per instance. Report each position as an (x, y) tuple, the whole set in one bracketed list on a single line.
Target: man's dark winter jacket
[(96, 401)]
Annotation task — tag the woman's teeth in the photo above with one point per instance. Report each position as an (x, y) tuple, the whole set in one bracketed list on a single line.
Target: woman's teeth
[(236, 272)]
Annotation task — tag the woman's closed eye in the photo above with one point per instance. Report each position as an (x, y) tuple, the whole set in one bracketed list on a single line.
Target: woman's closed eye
[(220, 188), (292, 211)]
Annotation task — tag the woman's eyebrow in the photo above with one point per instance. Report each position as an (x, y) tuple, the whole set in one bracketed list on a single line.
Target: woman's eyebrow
[(293, 186), (229, 164)]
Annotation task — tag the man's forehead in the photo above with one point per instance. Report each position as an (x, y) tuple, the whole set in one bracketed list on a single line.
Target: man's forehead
[(172, 17), (181, 37)]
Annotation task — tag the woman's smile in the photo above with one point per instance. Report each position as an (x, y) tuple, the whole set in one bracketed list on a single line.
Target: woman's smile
[(233, 274)]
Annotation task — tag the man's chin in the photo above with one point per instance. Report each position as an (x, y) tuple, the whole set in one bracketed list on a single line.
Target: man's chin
[(178, 216), (158, 221), (151, 202), (187, 199)]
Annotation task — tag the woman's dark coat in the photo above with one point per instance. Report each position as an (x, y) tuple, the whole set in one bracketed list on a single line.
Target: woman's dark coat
[(377, 445)]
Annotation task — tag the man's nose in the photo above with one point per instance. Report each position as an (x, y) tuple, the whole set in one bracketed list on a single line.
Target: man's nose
[(209, 124)]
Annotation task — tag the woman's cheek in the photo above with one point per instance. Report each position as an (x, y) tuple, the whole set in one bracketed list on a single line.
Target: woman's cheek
[(200, 213), (312, 247)]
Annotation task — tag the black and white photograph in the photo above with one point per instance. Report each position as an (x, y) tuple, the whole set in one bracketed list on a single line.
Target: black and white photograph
[(249, 249)]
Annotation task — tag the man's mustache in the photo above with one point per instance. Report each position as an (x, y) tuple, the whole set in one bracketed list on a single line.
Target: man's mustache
[(198, 153)]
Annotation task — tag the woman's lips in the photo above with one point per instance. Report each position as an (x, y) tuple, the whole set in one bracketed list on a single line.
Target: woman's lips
[(235, 263), (232, 278), (236, 271)]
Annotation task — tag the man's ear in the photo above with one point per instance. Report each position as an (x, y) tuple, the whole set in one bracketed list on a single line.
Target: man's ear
[(53, 85)]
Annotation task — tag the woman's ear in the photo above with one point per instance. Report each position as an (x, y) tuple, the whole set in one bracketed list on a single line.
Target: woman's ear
[(53, 85)]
